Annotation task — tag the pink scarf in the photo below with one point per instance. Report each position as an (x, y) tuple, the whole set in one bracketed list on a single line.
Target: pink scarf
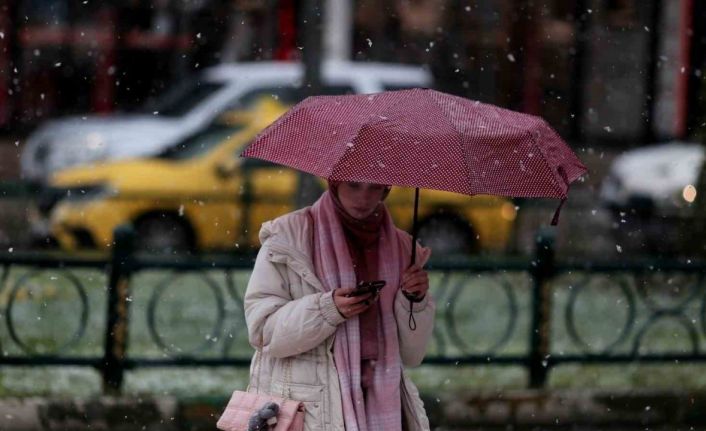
[(362, 238), (332, 261)]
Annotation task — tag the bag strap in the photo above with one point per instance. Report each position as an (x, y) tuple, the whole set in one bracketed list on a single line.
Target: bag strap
[(257, 366)]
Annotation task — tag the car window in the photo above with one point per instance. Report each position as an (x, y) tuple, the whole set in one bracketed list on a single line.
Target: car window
[(331, 90), (308, 191), (201, 142), (394, 87), (251, 163), (285, 94), (183, 98), (308, 188)]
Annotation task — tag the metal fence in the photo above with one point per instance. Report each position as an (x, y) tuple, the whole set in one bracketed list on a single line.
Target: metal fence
[(129, 311)]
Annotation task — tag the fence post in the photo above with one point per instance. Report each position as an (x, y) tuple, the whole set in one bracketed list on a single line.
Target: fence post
[(542, 271), (116, 331)]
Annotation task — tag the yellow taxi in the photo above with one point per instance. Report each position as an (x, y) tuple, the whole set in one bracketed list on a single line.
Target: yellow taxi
[(199, 195)]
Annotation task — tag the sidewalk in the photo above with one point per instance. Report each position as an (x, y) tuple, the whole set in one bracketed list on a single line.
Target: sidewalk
[(506, 410), (569, 409)]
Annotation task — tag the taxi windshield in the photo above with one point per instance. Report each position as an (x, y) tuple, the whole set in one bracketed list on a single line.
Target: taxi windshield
[(201, 142), (182, 98)]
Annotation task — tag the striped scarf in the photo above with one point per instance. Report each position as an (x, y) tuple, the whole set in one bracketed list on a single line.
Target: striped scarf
[(334, 268)]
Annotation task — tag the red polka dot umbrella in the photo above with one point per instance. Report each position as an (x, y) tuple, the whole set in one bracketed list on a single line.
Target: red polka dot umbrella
[(424, 139)]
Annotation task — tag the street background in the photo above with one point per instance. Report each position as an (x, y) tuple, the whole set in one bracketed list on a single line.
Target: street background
[(613, 77)]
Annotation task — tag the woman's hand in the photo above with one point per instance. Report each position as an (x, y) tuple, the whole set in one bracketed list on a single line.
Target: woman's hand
[(415, 282), (349, 305)]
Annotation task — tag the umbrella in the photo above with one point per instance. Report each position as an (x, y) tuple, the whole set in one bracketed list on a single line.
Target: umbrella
[(422, 138)]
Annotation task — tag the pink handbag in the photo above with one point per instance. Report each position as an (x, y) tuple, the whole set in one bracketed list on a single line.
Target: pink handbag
[(242, 405)]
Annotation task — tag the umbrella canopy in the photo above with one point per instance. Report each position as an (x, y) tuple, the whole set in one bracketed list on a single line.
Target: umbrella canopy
[(421, 138), (424, 139)]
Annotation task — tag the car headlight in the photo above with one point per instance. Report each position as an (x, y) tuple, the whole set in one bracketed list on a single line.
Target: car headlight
[(681, 198), (689, 193)]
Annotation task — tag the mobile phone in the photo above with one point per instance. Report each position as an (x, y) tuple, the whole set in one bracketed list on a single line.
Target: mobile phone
[(368, 287)]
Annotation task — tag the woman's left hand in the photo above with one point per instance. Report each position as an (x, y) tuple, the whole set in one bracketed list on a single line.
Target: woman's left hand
[(415, 281)]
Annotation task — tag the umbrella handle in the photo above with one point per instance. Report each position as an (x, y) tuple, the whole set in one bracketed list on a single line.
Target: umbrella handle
[(414, 226), (413, 298)]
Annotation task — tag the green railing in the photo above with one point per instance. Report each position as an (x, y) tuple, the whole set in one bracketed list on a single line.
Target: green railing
[(128, 311)]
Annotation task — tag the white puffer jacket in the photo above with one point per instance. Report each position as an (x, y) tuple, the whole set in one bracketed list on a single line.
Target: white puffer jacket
[(292, 321)]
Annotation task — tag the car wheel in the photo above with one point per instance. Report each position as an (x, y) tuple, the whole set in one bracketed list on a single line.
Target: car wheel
[(163, 233), (447, 234)]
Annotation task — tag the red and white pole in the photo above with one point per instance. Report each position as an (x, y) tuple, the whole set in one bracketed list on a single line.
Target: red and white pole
[(104, 84), (682, 91), (6, 33)]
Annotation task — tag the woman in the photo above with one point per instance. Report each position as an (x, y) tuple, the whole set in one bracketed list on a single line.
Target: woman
[(341, 355)]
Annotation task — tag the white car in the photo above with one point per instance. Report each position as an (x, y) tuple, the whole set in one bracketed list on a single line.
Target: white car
[(66, 142), (652, 193), (658, 178)]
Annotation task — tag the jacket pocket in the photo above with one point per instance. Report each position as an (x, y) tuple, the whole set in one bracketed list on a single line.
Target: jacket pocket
[(312, 396)]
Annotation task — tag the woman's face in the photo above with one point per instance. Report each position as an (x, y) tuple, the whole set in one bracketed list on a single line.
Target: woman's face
[(359, 200)]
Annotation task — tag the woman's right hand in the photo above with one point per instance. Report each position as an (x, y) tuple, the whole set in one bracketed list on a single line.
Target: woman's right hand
[(348, 305)]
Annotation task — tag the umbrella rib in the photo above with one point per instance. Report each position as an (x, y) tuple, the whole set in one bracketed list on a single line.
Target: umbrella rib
[(537, 147), (354, 137), (360, 127), (461, 141), (443, 114), (562, 193)]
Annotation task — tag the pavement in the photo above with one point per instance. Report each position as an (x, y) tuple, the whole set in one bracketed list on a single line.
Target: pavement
[(490, 410), (574, 409)]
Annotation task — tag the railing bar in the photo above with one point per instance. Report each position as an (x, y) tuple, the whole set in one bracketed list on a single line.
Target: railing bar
[(150, 264), (465, 360), (477, 360), (48, 360), (146, 362), (51, 262), (652, 265), (608, 359)]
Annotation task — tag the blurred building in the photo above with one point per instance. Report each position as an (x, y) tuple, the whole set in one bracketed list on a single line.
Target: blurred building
[(598, 70), (68, 56), (608, 70)]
